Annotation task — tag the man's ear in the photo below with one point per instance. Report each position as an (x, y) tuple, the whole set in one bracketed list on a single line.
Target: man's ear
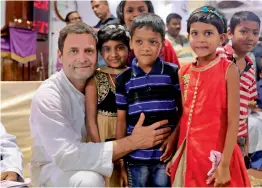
[(59, 55)]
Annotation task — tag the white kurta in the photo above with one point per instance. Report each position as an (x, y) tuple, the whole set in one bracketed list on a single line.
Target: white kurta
[(11, 156), (57, 124)]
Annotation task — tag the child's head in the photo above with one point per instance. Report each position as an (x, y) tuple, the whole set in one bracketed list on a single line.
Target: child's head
[(128, 10), (244, 31), (147, 36), (113, 43), (206, 28)]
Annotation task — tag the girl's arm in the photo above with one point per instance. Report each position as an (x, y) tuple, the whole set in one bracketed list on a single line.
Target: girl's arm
[(91, 110), (233, 105), (121, 124)]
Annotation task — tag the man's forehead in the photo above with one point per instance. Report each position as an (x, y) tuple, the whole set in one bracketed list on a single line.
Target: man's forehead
[(85, 39)]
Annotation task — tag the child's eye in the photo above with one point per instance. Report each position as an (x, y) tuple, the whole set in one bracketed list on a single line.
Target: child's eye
[(141, 10), (194, 33), (120, 48), (208, 33), (139, 41), (130, 10), (154, 42), (105, 49), (256, 33), (243, 31)]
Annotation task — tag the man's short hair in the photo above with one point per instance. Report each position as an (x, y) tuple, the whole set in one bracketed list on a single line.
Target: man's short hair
[(105, 1), (74, 28), (172, 16), (243, 16)]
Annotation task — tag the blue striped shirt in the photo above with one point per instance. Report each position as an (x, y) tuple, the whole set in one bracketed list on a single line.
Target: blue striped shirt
[(156, 94)]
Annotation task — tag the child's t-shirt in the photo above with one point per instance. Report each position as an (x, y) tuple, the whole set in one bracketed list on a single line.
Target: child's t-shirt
[(248, 92), (156, 94)]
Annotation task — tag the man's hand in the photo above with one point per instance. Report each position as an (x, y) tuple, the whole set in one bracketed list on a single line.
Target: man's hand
[(11, 176), (221, 176), (149, 136)]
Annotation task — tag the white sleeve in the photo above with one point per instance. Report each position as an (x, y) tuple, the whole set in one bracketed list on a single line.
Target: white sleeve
[(49, 117), (11, 156)]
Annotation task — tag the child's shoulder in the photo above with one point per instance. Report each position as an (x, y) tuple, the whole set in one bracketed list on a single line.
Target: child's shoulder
[(125, 75), (170, 67)]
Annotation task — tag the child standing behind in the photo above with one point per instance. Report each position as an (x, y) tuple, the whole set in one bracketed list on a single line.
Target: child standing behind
[(244, 33), (150, 86), (209, 124), (101, 116)]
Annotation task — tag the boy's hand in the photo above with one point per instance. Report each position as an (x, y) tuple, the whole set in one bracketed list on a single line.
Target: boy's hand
[(168, 146), (252, 104), (221, 176), (123, 176), (168, 167)]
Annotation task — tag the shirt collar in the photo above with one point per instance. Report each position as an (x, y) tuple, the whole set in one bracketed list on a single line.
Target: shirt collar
[(111, 17), (157, 68)]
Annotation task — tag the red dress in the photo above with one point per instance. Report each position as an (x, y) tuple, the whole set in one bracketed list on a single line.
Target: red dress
[(203, 126)]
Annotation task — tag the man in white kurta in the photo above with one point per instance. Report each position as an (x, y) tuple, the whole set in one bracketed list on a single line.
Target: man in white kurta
[(11, 157), (60, 155)]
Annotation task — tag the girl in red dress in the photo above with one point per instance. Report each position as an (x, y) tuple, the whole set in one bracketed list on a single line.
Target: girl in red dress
[(208, 154)]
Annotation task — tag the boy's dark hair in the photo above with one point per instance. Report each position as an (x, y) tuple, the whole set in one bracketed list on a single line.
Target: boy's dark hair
[(114, 32), (67, 16), (120, 10), (150, 20), (243, 16), (172, 16), (74, 28), (208, 15)]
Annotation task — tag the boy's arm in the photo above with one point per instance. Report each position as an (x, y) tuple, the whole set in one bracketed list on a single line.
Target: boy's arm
[(170, 144), (233, 95), (91, 110)]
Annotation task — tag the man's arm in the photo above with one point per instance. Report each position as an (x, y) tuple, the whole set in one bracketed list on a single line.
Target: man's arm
[(61, 139), (63, 144), (11, 157)]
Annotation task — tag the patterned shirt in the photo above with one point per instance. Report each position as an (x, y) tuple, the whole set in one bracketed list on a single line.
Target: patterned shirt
[(156, 94), (248, 92)]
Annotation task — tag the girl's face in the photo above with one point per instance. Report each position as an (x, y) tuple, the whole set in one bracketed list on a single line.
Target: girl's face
[(133, 9), (115, 53), (204, 39)]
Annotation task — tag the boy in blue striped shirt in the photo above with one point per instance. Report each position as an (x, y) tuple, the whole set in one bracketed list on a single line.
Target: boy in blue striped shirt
[(150, 86)]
